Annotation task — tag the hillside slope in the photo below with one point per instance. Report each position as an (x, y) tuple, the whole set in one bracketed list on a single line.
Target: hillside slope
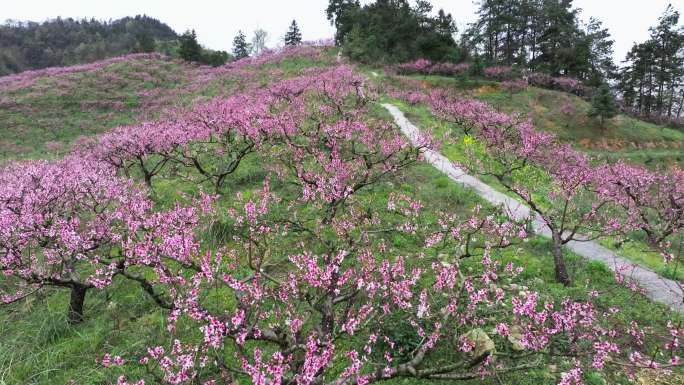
[(49, 111), (565, 115), (44, 114)]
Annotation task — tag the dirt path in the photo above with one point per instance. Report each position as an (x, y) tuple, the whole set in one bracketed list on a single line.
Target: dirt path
[(657, 288)]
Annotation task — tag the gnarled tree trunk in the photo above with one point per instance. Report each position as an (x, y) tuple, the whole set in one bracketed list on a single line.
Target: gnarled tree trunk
[(561, 269), (78, 294)]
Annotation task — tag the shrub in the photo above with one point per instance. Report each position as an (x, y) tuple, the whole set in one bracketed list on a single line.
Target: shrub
[(426, 67), (498, 72), (565, 84)]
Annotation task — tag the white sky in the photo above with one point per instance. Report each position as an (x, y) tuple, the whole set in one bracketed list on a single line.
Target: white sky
[(217, 22)]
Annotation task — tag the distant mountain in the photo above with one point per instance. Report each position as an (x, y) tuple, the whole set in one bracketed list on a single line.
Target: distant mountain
[(60, 42)]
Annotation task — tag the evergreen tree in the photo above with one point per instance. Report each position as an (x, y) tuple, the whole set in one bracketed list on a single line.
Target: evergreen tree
[(215, 58), (293, 36), (600, 54), (603, 105), (544, 35), (561, 40), (477, 66), (190, 49), (240, 46), (341, 15), (145, 42), (650, 81), (62, 42), (393, 31), (507, 31)]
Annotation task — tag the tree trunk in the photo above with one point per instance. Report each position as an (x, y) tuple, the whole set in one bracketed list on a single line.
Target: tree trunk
[(78, 294), (148, 180), (147, 174), (561, 270)]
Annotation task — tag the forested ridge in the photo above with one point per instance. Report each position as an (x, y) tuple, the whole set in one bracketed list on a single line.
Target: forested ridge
[(542, 35), (61, 42)]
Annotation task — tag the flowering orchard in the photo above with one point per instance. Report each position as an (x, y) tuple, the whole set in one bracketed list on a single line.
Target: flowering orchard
[(28, 78), (575, 198), (60, 104), (566, 84), (498, 72), (75, 225), (563, 194), (510, 78), (314, 282), (653, 204), (426, 67)]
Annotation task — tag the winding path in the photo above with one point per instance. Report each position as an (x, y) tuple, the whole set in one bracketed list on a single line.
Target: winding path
[(657, 288)]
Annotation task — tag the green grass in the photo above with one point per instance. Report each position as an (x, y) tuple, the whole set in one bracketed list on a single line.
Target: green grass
[(622, 138), (545, 106), (57, 110), (635, 250), (38, 347), (638, 252)]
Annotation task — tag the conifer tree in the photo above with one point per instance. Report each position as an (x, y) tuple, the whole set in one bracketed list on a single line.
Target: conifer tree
[(650, 80), (190, 49), (145, 42), (393, 31), (546, 36), (293, 36), (340, 14), (240, 46), (603, 105)]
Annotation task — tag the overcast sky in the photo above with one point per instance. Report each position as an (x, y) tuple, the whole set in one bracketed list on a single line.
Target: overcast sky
[(217, 22)]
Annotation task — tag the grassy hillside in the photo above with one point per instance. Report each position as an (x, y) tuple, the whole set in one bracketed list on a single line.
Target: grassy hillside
[(46, 117), (566, 115), (42, 114), (633, 249)]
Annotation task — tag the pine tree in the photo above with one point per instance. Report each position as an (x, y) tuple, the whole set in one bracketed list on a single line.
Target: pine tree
[(541, 35), (650, 80), (393, 31), (293, 36), (603, 104), (190, 49), (340, 15), (145, 42), (240, 46), (600, 66)]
